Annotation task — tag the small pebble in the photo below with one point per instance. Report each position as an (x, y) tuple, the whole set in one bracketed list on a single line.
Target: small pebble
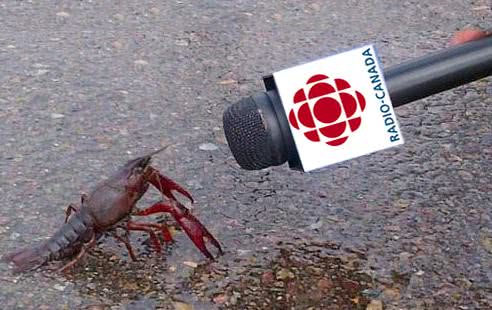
[(154, 11), (220, 299), (41, 72), (96, 307), (4, 220), (242, 252), (316, 225), (486, 243), (227, 82), (182, 42), (375, 305), (182, 306), (279, 284), (57, 115), (59, 287), (123, 131), (234, 298), (63, 14), (284, 274), (195, 184), (14, 235), (392, 293), (208, 147), (117, 44), (40, 66), (190, 264), (119, 17), (141, 62)]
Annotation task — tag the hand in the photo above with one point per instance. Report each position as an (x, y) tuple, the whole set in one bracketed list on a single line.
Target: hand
[(468, 35)]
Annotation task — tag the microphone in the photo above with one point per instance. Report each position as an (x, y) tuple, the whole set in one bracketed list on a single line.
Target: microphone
[(304, 128)]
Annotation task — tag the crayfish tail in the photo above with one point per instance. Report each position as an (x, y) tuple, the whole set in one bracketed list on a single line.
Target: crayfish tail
[(25, 259)]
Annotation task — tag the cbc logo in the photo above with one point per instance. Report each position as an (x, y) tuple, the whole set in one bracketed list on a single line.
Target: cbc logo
[(327, 111)]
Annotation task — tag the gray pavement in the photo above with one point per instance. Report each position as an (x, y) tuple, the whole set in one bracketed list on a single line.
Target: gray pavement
[(87, 85)]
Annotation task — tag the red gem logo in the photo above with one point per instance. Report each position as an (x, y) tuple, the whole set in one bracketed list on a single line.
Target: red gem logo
[(327, 111)]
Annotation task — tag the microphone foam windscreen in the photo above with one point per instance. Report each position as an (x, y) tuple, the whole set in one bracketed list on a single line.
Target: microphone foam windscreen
[(247, 135)]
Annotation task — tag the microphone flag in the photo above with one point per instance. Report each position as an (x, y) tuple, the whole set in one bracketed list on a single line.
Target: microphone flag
[(338, 108)]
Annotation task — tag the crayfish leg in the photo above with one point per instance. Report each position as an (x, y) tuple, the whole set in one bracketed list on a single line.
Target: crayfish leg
[(83, 250), (191, 225), (165, 185), (148, 229), (166, 234), (126, 241)]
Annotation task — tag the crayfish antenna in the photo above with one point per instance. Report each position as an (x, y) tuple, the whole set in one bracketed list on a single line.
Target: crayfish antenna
[(157, 151)]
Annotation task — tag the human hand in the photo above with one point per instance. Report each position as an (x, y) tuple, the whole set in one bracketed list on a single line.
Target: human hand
[(468, 35)]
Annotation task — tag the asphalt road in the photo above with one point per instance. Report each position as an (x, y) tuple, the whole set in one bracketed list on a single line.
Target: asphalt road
[(87, 85)]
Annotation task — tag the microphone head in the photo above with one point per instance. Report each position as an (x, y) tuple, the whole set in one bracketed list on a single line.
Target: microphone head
[(252, 132)]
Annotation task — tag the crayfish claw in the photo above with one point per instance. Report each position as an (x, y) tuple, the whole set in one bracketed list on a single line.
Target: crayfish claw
[(198, 234), (165, 185), (190, 224)]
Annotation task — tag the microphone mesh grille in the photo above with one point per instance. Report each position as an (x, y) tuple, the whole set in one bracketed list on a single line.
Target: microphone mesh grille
[(247, 136)]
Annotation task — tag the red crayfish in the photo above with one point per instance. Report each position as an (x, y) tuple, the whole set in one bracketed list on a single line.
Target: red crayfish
[(110, 206)]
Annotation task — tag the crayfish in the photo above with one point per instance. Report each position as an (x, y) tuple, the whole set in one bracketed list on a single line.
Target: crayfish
[(109, 208)]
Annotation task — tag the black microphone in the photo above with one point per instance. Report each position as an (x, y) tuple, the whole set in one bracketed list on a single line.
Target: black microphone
[(257, 127)]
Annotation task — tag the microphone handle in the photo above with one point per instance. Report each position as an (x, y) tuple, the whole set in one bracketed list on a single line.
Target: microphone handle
[(440, 71)]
